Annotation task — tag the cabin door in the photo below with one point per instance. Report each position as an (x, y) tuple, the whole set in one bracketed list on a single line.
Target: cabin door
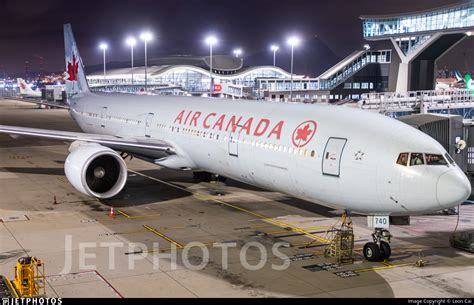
[(332, 156), (103, 117), (234, 137), (148, 124)]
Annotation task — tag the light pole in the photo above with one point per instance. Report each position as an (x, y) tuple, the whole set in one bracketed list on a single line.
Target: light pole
[(104, 47), (211, 40), (292, 41), (146, 36), (131, 42), (237, 52), (274, 48)]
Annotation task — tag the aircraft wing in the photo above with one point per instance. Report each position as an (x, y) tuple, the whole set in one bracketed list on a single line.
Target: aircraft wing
[(40, 102), (106, 140)]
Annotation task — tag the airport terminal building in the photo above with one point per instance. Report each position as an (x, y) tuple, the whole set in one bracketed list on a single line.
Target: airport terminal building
[(402, 51), (400, 57), (191, 76)]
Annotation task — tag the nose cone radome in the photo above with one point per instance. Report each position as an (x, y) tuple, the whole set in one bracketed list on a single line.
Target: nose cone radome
[(453, 188)]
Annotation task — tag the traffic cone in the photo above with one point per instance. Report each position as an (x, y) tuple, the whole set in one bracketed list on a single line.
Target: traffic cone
[(112, 212)]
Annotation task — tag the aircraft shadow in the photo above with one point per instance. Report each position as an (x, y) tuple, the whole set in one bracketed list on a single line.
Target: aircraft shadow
[(54, 171), (139, 191), (309, 206), (170, 175)]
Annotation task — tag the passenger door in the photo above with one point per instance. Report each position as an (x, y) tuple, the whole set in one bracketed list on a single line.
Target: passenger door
[(103, 117), (332, 156), (148, 124), (234, 137)]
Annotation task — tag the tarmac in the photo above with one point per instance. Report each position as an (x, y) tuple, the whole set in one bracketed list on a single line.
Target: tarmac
[(166, 225)]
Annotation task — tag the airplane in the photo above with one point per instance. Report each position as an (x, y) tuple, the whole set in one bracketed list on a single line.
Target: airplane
[(456, 82), (25, 89), (341, 157)]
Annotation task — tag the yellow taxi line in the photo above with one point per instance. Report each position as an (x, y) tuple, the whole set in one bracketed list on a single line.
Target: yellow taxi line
[(264, 218)]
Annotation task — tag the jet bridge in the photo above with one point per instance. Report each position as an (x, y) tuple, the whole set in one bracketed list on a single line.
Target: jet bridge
[(420, 39), (402, 52), (423, 101)]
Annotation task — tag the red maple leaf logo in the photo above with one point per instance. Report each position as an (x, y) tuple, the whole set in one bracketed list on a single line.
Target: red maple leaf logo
[(72, 68), (303, 133)]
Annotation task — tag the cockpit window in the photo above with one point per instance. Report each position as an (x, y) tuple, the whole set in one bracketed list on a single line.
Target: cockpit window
[(448, 157), (432, 159), (416, 159), (403, 159)]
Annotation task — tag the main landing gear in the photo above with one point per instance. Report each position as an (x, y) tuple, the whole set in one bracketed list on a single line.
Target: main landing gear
[(378, 250), (200, 176)]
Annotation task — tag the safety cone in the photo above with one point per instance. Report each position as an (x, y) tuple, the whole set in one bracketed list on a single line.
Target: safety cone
[(112, 212)]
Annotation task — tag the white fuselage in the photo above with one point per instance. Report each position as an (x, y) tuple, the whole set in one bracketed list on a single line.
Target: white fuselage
[(348, 160)]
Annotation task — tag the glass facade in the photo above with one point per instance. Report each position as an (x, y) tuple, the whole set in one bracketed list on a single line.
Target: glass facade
[(190, 78), (461, 16), (285, 84), (381, 57)]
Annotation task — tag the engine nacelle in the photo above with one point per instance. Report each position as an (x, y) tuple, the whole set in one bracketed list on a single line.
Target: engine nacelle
[(95, 170)]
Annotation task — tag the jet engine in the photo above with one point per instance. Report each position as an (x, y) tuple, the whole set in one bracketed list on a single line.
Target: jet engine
[(95, 170)]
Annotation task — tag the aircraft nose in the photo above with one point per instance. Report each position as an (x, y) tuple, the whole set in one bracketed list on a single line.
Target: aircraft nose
[(453, 188)]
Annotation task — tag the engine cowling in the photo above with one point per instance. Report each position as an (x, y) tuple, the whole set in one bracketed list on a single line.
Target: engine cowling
[(95, 170)]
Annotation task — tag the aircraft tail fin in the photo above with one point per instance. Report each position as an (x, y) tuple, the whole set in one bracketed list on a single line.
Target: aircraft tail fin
[(24, 87), (458, 76), (76, 82)]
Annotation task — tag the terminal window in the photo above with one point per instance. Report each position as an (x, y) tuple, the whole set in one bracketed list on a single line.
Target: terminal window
[(470, 155)]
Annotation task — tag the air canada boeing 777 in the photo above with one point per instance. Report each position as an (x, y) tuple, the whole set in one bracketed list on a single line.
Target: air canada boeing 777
[(335, 156)]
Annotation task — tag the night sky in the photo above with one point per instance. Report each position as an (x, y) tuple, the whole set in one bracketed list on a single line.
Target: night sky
[(330, 29)]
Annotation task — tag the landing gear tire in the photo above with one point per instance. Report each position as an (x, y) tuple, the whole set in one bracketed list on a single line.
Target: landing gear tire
[(219, 178), (202, 176), (371, 252), (385, 250)]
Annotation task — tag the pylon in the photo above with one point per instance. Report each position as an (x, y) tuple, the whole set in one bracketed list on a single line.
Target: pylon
[(112, 212)]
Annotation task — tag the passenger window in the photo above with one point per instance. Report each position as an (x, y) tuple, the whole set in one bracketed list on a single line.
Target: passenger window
[(403, 159), (435, 160), (416, 159)]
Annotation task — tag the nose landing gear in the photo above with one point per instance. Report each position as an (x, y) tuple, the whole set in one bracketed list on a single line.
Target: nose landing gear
[(378, 250)]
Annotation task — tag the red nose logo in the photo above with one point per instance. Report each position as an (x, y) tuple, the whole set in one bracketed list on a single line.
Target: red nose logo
[(304, 133)]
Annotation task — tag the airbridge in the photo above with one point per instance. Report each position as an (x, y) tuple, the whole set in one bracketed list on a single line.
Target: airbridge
[(423, 101), (401, 54), (420, 39)]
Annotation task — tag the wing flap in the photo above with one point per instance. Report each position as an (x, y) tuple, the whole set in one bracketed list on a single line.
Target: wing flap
[(105, 140), (40, 102)]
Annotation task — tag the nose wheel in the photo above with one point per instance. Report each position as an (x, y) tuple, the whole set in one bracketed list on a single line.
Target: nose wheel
[(379, 249)]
